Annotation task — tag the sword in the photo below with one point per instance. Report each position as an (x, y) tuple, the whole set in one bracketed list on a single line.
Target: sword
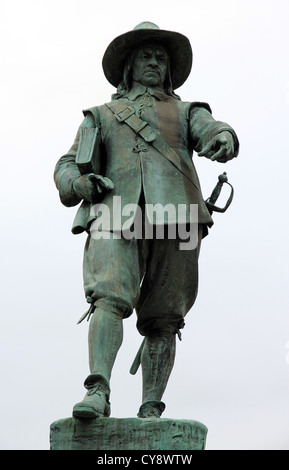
[(211, 201), (136, 362)]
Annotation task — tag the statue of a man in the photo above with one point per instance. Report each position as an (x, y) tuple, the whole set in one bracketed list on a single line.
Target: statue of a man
[(142, 144)]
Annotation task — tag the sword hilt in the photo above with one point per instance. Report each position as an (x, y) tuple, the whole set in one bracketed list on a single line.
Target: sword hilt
[(210, 202)]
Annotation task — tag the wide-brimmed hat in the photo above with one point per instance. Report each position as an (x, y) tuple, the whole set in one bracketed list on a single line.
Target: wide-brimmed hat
[(177, 45)]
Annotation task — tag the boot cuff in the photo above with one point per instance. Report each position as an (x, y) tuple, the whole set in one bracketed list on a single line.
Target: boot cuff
[(96, 379)]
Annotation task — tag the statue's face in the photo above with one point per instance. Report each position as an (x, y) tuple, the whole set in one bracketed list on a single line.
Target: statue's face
[(150, 65)]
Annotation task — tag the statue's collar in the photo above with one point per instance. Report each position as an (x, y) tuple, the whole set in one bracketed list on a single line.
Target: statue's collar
[(138, 89)]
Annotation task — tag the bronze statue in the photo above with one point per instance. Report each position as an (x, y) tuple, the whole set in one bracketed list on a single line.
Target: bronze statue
[(137, 151)]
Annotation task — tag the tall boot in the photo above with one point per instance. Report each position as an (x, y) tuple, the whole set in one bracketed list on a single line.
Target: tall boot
[(157, 362), (104, 340)]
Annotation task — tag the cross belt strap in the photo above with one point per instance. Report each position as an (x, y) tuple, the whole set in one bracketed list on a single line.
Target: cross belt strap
[(126, 114)]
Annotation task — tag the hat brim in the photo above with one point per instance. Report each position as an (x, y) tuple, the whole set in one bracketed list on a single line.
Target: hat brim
[(177, 45)]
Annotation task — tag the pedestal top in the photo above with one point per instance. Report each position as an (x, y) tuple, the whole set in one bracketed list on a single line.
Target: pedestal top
[(127, 434)]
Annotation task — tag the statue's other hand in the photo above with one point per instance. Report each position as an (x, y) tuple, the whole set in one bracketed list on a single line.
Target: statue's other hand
[(101, 182), (220, 148), (88, 187)]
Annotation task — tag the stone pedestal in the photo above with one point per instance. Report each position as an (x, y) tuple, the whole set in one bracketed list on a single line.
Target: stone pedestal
[(127, 434)]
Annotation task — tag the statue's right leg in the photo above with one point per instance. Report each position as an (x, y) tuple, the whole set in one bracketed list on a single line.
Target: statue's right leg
[(104, 340), (111, 282)]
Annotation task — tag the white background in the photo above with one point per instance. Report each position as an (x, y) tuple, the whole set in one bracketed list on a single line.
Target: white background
[(232, 367)]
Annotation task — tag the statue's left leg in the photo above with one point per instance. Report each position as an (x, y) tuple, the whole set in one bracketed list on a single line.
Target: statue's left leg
[(168, 292), (157, 362)]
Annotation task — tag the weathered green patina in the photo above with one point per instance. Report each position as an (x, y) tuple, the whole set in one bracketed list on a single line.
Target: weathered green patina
[(137, 151), (122, 434)]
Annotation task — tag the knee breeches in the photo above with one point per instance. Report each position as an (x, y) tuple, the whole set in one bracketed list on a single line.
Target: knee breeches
[(154, 277)]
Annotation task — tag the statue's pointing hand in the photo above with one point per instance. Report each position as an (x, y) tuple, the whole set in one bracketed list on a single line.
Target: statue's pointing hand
[(220, 148), (88, 187)]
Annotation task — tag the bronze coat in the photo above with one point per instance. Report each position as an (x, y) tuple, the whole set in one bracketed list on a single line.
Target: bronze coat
[(135, 166)]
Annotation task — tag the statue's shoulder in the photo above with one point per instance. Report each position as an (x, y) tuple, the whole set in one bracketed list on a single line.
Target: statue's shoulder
[(92, 110), (97, 112), (188, 106)]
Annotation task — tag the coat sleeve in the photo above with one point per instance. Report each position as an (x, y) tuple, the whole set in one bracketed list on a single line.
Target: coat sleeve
[(203, 127), (66, 170)]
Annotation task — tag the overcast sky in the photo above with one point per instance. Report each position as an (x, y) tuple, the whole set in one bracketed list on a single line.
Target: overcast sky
[(232, 366)]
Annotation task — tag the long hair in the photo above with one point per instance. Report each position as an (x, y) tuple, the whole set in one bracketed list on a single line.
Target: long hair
[(126, 83)]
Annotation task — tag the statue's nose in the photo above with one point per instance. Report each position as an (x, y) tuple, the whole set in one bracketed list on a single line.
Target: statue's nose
[(153, 61)]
